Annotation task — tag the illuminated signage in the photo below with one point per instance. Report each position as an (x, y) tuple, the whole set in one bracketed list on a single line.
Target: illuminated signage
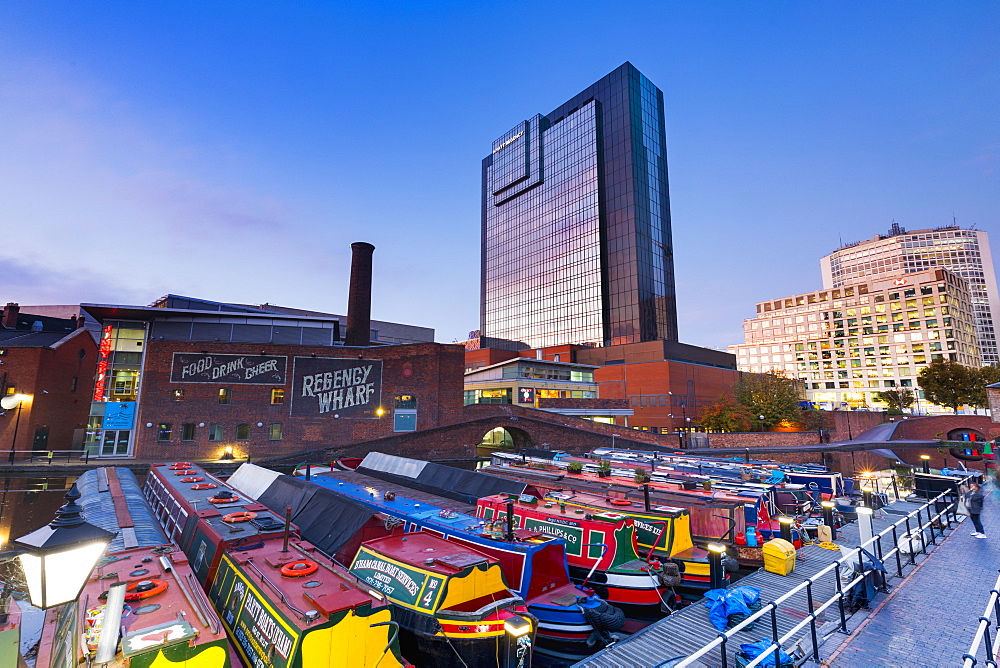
[(103, 359), (526, 395), (900, 281), (118, 415)]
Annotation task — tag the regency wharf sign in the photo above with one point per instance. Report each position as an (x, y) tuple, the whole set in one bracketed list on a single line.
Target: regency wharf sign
[(330, 386), (228, 369)]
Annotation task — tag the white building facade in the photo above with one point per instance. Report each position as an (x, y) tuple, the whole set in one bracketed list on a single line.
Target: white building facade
[(962, 252), (847, 344)]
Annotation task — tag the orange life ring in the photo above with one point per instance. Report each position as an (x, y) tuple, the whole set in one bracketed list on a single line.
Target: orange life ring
[(185, 472), (180, 465), (231, 499), (194, 478), (300, 568), (239, 517), (620, 502), (206, 485), (132, 593)]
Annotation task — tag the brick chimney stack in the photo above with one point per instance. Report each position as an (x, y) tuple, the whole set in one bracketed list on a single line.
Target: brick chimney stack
[(359, 298), (10, 312)]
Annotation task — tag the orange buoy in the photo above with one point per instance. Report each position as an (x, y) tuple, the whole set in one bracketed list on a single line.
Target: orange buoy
[(620, 502), (239, 517), (194, 478), (180, 465), (206, 485), (300, 568), (140, 589), (185, 472)]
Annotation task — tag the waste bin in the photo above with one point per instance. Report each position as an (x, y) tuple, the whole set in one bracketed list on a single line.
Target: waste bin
[(779, 556)]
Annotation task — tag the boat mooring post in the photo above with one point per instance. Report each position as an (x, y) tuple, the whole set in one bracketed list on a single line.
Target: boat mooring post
[(510, 521), (785, 523), (716, 571), (645, 495), (828, 520), (866, 497), (288, 527)]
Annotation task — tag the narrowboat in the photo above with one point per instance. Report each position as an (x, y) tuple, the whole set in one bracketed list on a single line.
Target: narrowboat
[(285, 604), (572, 621), (451, 603), (662, 532), (142, 589), (601, 550)]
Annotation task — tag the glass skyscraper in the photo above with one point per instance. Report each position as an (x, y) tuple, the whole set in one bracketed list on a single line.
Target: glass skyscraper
[(576, 242)]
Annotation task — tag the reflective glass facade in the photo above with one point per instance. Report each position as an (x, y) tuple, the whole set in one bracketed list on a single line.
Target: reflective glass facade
[(576, 222)]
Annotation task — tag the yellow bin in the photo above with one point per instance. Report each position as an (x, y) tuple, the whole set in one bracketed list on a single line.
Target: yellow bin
[(779, 556)]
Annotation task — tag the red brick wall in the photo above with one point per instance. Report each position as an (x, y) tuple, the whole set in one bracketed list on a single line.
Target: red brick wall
[(431, 372), (47, 375), (937, 427)]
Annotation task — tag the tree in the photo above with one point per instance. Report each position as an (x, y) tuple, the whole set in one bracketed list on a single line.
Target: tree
[(948, 383), (898, 399), (725, 414), (769, 394), (813, 420), (987, 375)]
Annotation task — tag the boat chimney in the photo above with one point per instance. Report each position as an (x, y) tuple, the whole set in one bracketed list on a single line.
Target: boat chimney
[(288, 527), (510, 521), (359, 297), (645, 495)]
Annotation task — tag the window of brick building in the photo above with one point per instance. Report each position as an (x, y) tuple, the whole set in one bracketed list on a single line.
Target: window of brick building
[(242, 432), (277, 396), (404, 416), (223, 395), (215, 432), (187, 432), (178, 395), (164, 431), (72, 385), (275, 434)]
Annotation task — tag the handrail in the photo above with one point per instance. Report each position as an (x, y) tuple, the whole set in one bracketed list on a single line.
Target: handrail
[(49, 455), (983, 631), (872, 545)]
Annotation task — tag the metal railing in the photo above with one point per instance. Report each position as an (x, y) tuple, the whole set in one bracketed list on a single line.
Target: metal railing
[(48, 456), (983, 631), (915, 524)]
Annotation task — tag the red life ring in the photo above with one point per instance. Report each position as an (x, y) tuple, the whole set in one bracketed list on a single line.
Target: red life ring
[(620, 502), (239, 517), (180, 465), (194, 478), (185, 472), (206, 485), (300, 568), (231, 499), (133, 593)]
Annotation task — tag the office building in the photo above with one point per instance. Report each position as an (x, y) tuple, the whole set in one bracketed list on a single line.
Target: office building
[(576, 240), (851, 342), (965, 253)]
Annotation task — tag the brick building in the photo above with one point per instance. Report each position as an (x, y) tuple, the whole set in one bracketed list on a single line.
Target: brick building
[(48, 364), (189, 384)]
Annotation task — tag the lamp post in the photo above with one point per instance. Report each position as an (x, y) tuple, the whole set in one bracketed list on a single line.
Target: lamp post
[(828, 507), (761, 418), (8, 403), (58, 559), (925, 461), (716, 568)]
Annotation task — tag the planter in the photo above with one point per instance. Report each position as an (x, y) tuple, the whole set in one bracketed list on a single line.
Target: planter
[(603, 474)]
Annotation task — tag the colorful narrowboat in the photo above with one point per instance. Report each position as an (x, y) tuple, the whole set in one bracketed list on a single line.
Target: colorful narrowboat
[(285, 604), (142, 589), (601, 550), (451, 603), (572, 621)]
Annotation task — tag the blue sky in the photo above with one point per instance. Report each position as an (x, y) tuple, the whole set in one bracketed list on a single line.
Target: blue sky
[(233, 151)]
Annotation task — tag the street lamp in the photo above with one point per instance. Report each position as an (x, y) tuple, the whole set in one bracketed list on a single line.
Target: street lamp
[(58, 559), (8, 403), (761, 418)]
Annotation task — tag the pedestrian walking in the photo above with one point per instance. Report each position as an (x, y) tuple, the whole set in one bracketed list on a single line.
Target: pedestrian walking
[(973, 499)]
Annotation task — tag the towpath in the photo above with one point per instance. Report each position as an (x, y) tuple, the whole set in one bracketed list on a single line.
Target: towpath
[(930, 617)]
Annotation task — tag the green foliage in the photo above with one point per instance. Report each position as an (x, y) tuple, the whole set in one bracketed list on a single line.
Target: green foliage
[(813, 420), (640, 475), (986, 375), (575, 467), (897, 399), (725, 414), (949, 384), (604, 465), (770, 395)]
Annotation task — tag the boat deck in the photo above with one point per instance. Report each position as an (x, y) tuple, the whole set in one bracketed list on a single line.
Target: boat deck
[(382, 486), (686, 631)]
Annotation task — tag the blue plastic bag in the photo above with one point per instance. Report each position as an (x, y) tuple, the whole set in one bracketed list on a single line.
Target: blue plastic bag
[(753, 650), (721, 603)]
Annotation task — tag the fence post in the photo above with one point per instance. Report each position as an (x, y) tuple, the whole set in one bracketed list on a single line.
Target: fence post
[(895, 487), (909, 532), (812, 619), (840, 598), (724, 650), (774, 634), (899, 561), (930, 522)]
